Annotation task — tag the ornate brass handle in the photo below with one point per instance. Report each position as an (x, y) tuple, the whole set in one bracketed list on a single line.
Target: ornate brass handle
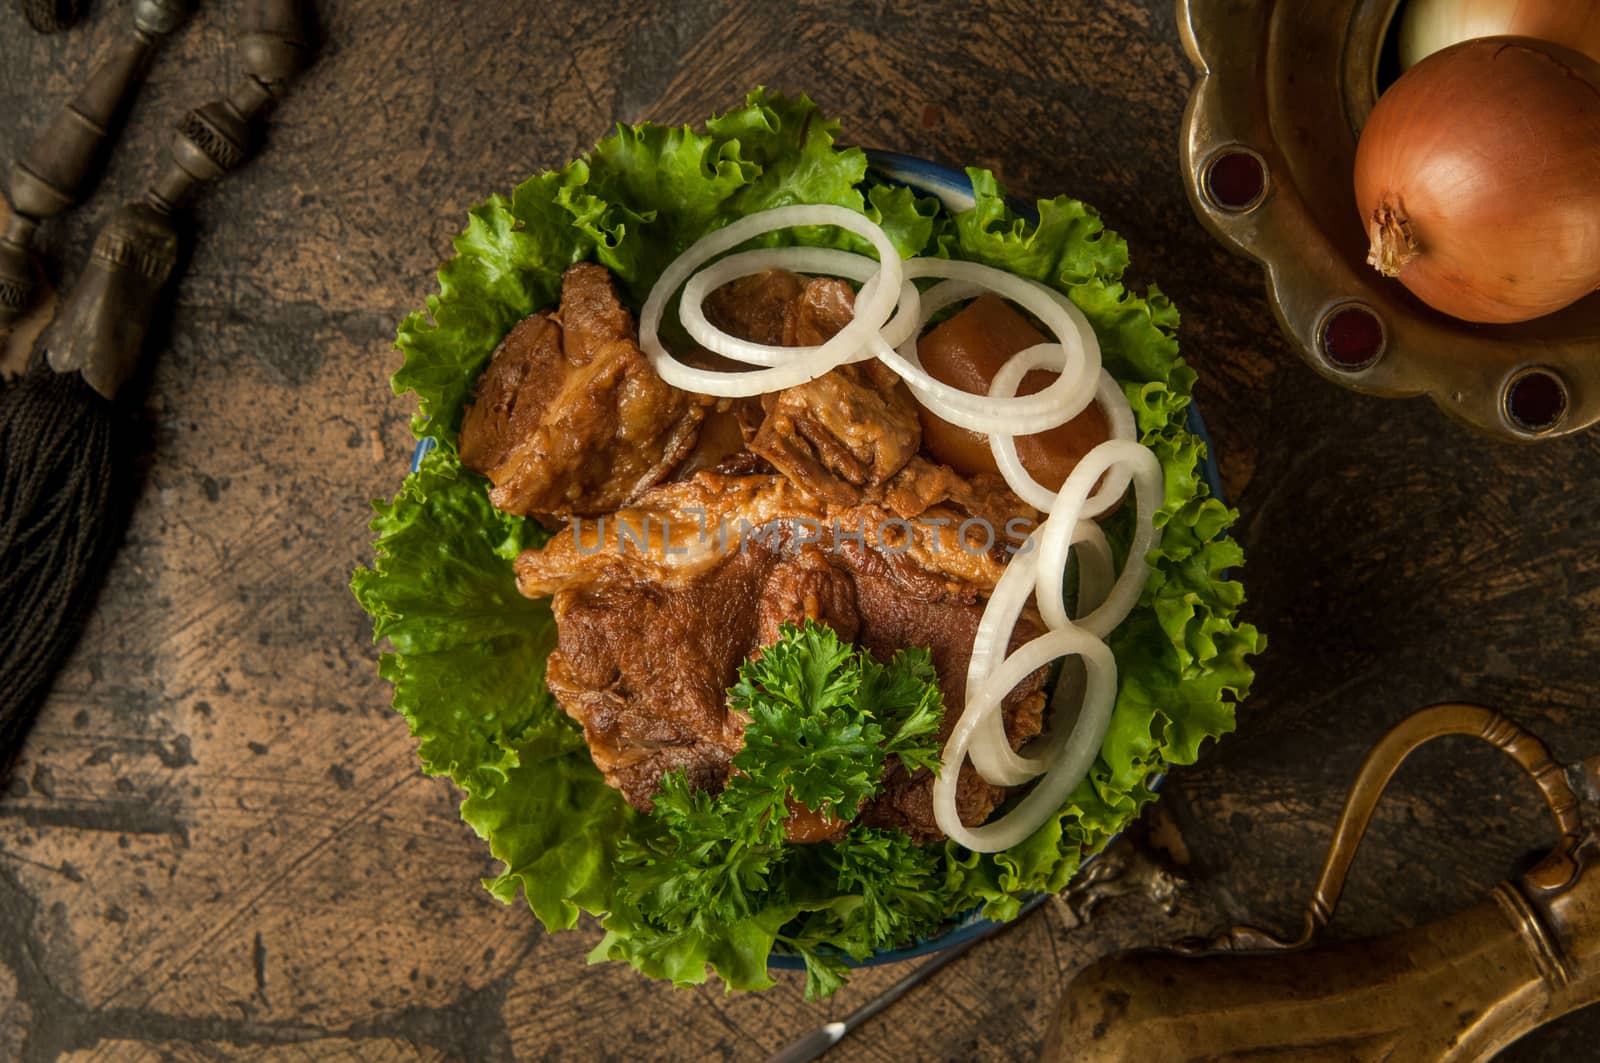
[(58, 168), (1556, 871), (100, 330), (1456, 989)]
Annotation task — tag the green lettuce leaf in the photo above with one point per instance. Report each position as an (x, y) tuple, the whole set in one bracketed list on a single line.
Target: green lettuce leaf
[(508, 264), (554, 823), (707, 884), (468, 666), (468, 672)]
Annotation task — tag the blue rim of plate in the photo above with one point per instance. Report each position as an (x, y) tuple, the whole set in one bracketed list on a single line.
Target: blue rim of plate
[(954, 189)]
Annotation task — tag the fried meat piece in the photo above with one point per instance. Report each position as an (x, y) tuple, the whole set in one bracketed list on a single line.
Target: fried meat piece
[(678, 530), (850, 429), (646, 669), (811, 503), (569, 419), (892, 618)]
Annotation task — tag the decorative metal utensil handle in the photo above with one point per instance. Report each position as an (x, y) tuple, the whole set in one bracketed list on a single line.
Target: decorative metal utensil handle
[(1554, 872), (101, 329), (58, 168), (1457, 989)]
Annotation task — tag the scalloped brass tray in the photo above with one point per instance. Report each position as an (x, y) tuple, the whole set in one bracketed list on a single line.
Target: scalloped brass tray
[(1268, 150)]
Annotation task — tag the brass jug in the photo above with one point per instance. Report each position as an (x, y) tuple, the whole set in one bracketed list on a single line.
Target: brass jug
[(1458, 989)]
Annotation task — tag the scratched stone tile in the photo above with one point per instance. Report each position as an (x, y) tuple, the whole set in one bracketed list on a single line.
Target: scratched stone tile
[(993, 1004), (309, 1050), (239, 846), (15, 1016), (559, 1008)]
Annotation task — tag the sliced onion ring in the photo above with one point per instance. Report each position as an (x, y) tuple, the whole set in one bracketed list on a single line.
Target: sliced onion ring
[(991, 752), (889, 316), (810, 260), (1097, 569), (1018, 582), (1055, 537), (739, 385), (1062, 400), (1080, 350), (1070, 768), (870, 315), (1119, 418), (1000, 613)]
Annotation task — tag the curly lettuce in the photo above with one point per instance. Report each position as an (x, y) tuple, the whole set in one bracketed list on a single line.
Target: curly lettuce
[(468, 653)]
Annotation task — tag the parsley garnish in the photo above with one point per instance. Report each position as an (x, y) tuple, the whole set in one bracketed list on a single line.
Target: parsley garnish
[(824, 717)]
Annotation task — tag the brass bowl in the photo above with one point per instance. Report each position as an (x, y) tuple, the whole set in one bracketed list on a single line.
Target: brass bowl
[(1268, 151)]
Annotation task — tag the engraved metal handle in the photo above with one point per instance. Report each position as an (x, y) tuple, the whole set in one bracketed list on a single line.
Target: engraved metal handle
[(101, 328), (59, 167), (1554, 872)]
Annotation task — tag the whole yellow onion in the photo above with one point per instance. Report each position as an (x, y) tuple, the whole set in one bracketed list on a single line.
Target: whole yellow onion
[(1478, 179)]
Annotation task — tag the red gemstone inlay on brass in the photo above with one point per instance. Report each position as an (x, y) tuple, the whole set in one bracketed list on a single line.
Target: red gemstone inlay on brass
[(1236, 180), (1536, 400), (1351, 337)]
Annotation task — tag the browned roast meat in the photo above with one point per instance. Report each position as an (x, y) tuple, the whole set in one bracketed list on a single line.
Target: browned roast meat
[(849, 429), (782, 309), (811, 503), (651, 633), (513, 393), (892, 618), (646, 669), (721, 441), (924, 485), (824, 307), (569, 419), (676, 531), (756, 307), (807, 586)]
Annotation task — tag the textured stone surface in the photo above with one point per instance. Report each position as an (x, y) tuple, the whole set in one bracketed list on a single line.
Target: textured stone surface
[(218, 845), (321, 1049)]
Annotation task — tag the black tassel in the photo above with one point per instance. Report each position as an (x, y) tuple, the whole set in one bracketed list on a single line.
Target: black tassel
[(62, 514)]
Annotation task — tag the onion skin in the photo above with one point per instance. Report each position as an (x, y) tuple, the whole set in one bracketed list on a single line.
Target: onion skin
[(1428, 26), (1478, 179)]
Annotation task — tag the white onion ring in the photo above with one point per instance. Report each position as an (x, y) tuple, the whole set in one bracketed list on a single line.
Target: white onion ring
[(1077, 755), (1119, 418), (866, 335), (1018, 582), (810, 260), (991, 751), (1074, 338), (1055, 536), (1097, 569), (967, 280), (747, 384), (1062, 400), (870, 313), (993, 637)]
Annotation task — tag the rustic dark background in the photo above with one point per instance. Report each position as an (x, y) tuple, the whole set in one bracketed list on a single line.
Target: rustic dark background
[(218, 844)]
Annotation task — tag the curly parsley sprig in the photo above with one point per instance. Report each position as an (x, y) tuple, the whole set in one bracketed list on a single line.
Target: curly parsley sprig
[(824, 717)]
